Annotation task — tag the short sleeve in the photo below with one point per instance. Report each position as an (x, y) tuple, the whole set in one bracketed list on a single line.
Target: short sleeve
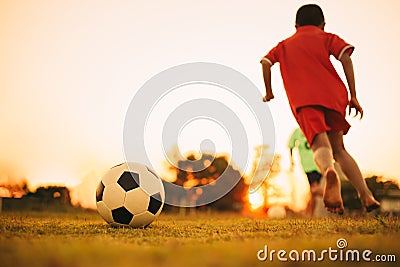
[(272, 57), (337, 46)]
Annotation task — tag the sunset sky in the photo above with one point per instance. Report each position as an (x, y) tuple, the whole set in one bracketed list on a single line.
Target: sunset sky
[(69, 69)]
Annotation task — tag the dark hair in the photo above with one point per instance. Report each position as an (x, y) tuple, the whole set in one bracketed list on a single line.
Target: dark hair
[(309, 15)]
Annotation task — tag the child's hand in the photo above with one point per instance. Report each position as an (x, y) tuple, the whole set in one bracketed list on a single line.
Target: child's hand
[(354, 104), (268, 98)]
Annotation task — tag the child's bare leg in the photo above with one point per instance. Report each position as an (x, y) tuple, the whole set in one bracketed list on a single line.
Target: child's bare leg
[(316, 191), (323, 157), (352, 171), (310, 207)]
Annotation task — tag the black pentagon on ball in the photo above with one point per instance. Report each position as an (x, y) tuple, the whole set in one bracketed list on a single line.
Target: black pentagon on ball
[(129, 180), (99, 192), (122, 215), (155, 203)]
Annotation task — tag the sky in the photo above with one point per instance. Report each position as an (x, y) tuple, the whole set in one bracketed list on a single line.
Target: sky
[(69, 69)]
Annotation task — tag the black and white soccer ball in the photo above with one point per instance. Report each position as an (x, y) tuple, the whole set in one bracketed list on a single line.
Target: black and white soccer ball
[(130, 194)]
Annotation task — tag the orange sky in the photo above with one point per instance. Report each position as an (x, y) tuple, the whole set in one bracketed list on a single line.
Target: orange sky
[(68, 70)]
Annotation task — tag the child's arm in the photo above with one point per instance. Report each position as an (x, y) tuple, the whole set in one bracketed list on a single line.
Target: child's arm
[(349, 72), (266, 68)]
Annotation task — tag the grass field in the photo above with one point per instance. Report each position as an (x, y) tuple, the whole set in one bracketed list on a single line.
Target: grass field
[(84, 239)]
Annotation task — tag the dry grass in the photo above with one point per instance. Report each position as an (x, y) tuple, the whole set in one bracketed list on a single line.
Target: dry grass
[(84, 239)]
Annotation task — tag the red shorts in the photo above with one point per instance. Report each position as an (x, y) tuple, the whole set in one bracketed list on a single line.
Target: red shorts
[(314, 120)]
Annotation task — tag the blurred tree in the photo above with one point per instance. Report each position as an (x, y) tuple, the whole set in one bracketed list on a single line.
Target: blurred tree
[(210, 169), (52, 195), (381, 188), (51, 198), (15, 190), (266, 167)]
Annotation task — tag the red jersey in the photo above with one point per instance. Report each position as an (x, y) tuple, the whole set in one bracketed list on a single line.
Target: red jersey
[(307, 72)]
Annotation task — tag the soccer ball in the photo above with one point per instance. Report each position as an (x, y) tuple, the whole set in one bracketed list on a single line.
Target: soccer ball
[(130, 194)]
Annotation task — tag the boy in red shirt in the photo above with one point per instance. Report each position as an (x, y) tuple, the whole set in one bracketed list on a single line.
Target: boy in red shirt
[(318, 99)]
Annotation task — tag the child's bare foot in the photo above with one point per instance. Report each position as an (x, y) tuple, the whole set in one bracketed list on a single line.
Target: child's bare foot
[(369, 202), (332, 197)]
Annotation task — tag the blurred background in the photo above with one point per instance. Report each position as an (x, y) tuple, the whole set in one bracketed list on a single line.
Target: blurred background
[(68, 71)]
